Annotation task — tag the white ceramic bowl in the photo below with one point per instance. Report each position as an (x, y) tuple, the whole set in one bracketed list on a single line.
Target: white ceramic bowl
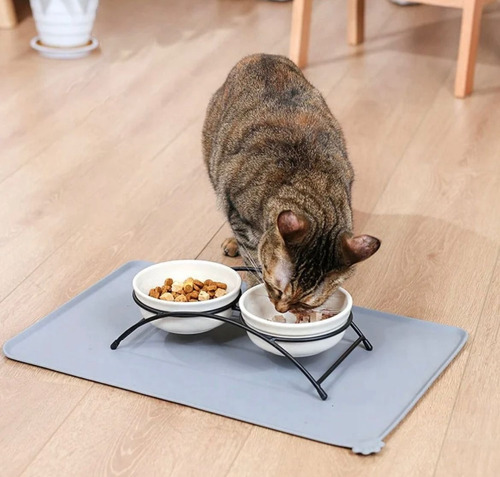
[(257, 309), (155, 275)]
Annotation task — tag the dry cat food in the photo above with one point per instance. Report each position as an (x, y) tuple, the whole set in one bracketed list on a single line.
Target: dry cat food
[(306, 316), (190, 290)]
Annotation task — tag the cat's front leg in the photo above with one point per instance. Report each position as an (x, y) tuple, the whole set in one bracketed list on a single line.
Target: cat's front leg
[(230, 247)]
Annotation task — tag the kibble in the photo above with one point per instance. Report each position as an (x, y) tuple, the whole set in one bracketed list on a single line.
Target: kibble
[(188, 285), (203, 296), (167, 297), (155, 292), (177, 287), (306, 316), (190, 290), (219, 292)]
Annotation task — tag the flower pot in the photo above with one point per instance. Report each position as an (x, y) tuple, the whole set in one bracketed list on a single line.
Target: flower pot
[(64, 23)]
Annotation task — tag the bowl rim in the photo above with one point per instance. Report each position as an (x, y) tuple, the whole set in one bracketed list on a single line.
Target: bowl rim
[(305, 327), (143, 297)]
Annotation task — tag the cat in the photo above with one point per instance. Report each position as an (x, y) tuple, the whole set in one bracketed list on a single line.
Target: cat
[(278, 162)]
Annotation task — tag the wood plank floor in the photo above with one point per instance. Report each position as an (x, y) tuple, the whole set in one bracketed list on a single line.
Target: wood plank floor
[(101, 164)]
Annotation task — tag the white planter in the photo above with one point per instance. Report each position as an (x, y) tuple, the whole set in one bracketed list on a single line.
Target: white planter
[(64, 23)]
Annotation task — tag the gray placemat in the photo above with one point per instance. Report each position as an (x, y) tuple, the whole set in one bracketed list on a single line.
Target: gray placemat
[(223, 372)]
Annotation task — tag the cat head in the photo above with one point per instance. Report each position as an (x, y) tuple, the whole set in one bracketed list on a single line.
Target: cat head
[(303, 267)]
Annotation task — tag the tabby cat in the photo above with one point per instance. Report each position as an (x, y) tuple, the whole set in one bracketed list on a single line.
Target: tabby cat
[(277, 160)]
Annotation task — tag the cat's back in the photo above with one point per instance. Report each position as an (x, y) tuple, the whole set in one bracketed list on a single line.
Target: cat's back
[(265, 92), (269, 132), (268, 121), (268, 81)]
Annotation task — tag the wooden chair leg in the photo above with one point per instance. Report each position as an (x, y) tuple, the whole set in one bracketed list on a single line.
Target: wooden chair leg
[(7, 14), (355, 21), (469, 38), (299, 36)]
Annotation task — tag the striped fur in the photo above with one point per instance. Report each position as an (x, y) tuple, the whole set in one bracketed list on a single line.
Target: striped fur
[(277, 160)]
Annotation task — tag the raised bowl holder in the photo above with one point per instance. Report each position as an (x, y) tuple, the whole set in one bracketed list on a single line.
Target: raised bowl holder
[(271, 340)]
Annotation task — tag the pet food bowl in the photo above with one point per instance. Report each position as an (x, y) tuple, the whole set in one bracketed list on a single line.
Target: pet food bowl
[(179, 270), (257, 311)]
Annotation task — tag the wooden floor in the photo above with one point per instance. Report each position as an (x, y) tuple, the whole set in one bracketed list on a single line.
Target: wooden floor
[(101, 164)]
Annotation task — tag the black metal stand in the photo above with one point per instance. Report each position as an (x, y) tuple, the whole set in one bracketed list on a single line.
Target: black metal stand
[(274, 342)]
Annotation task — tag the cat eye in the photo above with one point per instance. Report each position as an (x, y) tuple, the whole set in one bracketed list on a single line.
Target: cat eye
[(274, 292), (277, 292)]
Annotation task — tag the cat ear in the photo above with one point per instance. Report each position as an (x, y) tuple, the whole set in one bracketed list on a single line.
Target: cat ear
[(357, 249), (292, 227)]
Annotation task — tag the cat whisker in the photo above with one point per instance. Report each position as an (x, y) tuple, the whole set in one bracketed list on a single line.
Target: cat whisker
[(253, 263)]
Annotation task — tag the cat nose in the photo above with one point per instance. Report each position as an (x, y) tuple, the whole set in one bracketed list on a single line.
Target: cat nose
[(282, 307)]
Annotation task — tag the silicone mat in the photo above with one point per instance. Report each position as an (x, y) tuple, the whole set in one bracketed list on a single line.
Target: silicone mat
[(223, 372)]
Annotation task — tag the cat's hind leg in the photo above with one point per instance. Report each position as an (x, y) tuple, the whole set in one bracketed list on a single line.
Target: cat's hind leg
[(230, 247)]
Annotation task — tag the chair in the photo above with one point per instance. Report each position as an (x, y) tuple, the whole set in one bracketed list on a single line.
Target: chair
[(7, 14), (469, 35)]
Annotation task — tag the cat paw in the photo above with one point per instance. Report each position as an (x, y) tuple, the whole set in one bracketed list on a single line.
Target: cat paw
[(230, 247)]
